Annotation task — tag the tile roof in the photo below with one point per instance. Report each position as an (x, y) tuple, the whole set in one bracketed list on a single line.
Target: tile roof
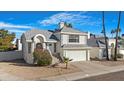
[(94, 42), (69, 29), (48, 34)]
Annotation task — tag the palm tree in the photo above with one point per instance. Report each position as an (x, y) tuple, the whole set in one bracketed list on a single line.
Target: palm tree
[(112, 32), (104, 32), (119, 31), (68, 24), (116, 42), (66, 61)]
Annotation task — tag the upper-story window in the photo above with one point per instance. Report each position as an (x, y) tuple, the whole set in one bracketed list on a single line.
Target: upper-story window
[(74, 38)]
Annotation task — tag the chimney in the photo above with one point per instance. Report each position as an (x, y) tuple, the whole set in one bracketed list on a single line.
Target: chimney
[(88, 35), (61, 25)]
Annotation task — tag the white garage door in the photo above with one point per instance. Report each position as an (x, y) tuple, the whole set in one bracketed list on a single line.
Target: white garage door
[(78, 55)]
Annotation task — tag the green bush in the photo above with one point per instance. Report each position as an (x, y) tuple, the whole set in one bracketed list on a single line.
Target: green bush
[(42, 57), (3, 48)]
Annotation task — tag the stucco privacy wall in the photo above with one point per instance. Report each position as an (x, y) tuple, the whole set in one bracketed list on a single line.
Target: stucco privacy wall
[(121, 51), (10, 55), (94, 52)]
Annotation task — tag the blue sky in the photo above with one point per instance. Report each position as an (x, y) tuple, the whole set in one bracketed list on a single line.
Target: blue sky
[(19, 22)]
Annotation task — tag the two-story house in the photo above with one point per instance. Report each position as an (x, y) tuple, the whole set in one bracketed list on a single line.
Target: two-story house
[(65, 42)]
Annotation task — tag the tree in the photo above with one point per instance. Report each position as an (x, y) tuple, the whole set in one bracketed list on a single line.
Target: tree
[(104, 32), (68, 24), (117, 31), (112, 32), (66, 61), (6, 39)]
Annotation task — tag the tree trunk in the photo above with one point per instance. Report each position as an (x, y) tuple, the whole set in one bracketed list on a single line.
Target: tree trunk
[(116, 42), (106, 43)]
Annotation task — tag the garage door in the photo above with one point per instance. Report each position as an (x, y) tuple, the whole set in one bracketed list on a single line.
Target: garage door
[(79, 55)]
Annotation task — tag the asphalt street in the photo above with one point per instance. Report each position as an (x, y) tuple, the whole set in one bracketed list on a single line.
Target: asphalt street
[(115, 76)]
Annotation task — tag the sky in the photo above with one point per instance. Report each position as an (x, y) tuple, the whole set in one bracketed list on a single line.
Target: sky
[(86, 21)]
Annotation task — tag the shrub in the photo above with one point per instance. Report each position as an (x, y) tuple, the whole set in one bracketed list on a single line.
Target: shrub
[(66, 60), (119, 55), (3, 48), (42, 57)]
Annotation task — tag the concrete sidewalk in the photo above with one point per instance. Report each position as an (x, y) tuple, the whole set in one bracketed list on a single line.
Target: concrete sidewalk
[(87, 69)]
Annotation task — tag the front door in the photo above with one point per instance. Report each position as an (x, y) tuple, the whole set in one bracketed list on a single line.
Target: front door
[(39, 46)]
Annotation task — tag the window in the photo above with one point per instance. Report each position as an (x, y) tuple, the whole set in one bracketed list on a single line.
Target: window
[(29, 47), (50, 44), (74, 38)]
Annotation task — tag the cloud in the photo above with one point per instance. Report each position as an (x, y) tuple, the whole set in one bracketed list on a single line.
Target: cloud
[(72, 17), (17, 30), (8, 25)]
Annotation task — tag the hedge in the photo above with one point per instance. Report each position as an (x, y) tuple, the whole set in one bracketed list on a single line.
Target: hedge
[(42, 57)]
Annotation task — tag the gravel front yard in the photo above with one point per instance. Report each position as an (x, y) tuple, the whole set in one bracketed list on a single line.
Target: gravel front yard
[(28, 72)]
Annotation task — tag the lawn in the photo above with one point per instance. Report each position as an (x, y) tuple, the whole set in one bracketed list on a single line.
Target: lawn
[(20, 69)]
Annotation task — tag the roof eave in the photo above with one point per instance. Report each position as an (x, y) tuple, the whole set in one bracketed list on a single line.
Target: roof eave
[(76, 33), (78, 48)]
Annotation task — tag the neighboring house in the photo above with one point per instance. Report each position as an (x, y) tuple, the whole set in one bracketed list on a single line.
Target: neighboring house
[(98, 48), (122, 36), (120, 45), (111, 41), (18, 44), (65, 42)]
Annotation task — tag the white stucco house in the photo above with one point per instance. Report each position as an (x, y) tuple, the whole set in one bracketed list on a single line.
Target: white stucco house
[(65, 42), (111, 41), (19, 44), (120, 45)]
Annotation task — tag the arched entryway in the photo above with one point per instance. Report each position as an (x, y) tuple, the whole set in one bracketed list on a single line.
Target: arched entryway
[(40, 41)]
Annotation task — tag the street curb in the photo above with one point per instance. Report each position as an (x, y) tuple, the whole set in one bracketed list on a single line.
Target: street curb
[(96, 74)]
